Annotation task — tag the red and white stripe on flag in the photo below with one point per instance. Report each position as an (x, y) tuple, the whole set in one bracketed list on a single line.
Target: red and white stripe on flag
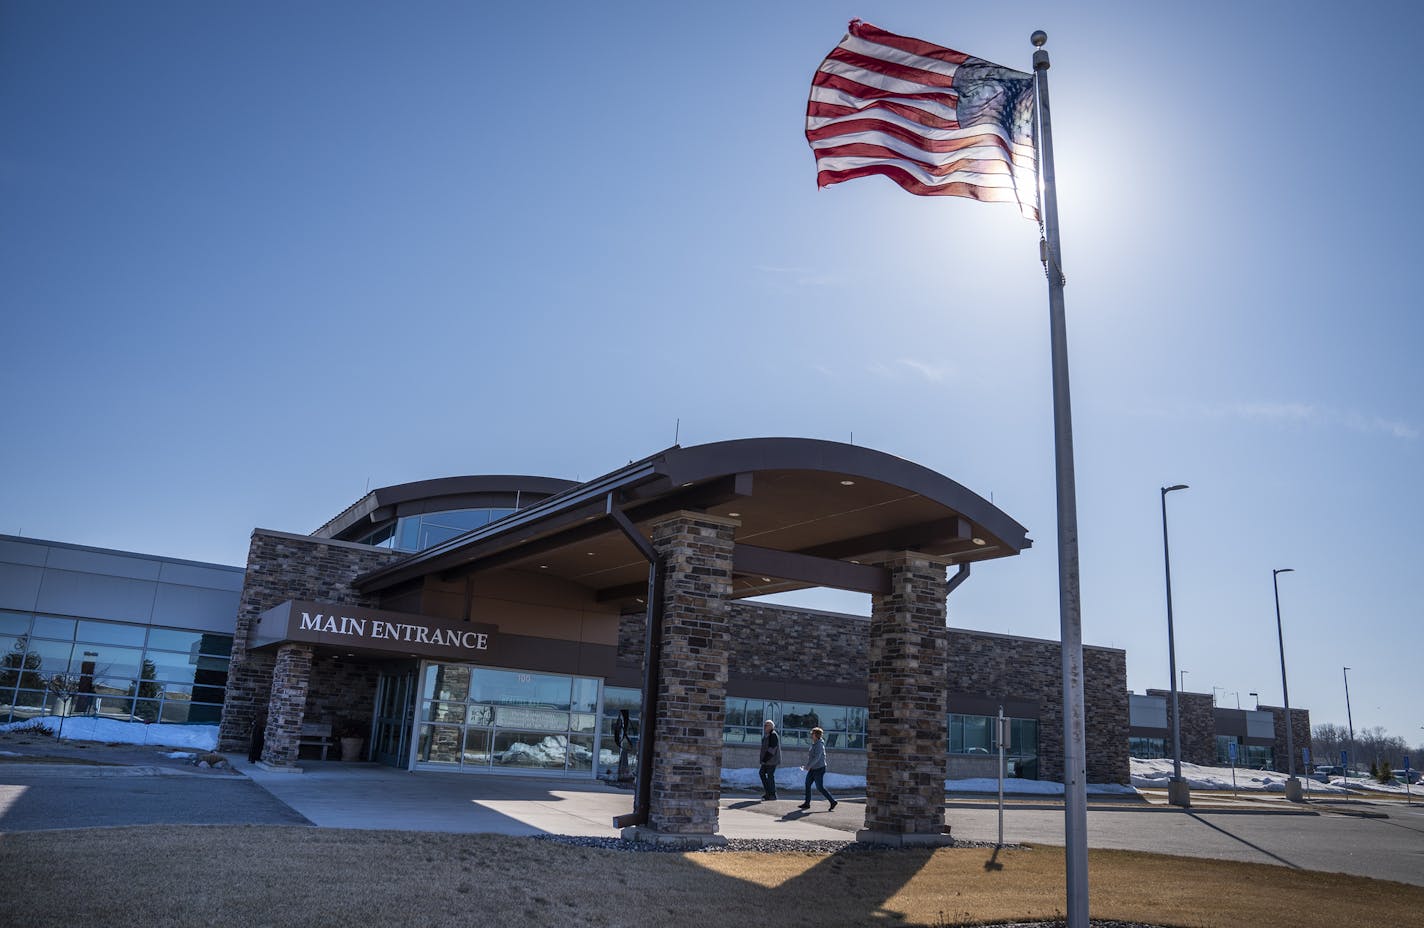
[(935, 121)]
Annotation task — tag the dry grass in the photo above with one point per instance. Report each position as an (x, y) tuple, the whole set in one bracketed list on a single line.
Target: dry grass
[(240, 876)]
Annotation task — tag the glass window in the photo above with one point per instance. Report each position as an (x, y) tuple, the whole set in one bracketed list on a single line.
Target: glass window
[(585, 698), (444, 712), (53, 655), (111, 633), (105, 659), (171, 639), (439, 744), (447, 681), (531, 718), (580, 752), (530, 749), (511, 688), (477, 748), (977, 734), (49, 626), (14, 623)]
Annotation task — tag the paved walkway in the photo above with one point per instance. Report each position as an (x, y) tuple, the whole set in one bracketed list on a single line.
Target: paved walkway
[(340, 795)]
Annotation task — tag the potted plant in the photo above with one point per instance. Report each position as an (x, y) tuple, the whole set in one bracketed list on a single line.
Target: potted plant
[(352, 734)]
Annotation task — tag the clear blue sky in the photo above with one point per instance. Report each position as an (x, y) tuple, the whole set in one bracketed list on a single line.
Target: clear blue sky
[(254, 256)]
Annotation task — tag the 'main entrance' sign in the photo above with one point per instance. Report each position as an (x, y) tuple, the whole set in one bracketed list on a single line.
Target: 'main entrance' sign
[(374, 630)]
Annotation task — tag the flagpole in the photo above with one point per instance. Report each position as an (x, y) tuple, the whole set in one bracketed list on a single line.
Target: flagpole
[(1075, 786)]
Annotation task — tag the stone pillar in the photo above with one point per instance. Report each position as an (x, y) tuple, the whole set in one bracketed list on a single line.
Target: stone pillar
[(287, 707), (906, 728), (696, 551)]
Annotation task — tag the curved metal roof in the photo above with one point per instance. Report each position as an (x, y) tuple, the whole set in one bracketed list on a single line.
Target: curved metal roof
[(799, 499), (442, 494)]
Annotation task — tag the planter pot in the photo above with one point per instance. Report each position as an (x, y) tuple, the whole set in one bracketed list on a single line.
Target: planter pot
[(351, 748)]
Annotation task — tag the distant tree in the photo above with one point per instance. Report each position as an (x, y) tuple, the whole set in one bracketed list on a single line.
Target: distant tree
[(64, 687), (1386, 772), (1327, 741), (19, 666), (146, 689)]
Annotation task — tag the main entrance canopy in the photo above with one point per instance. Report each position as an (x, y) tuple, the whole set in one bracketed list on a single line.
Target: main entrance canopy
[(811, 513), (685, 530)]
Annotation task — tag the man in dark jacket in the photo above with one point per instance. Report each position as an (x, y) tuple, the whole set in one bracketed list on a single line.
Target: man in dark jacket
[(770, 757)]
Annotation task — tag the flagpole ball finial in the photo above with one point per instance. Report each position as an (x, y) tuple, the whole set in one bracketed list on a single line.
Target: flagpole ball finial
[(1038, 38)]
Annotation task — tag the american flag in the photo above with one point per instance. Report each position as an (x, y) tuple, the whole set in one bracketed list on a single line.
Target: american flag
[(935, 121)]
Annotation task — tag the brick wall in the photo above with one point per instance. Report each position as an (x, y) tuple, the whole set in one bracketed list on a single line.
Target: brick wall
[(1198, 726), (280, 567), (781, 643), (1300, 733)]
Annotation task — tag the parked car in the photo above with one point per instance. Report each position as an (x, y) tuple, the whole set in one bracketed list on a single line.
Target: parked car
[(1411, 777), (1324, 773)]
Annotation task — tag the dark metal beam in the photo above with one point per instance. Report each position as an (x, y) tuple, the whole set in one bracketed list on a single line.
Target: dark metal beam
[(804, 568)]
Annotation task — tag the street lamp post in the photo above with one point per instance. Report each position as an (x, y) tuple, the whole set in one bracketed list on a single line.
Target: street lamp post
[(1182, 679), (1178, 794), (1293, 789), (1258, 700), (1350, 758)]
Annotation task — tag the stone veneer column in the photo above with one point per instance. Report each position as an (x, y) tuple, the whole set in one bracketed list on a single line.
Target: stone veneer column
[(287, 706), (906, 728), (696, 551)]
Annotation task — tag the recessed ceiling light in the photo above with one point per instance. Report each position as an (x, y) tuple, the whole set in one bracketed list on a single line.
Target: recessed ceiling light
[(847, 483), (639, 599), (979, 541), (734, 514), (543, 566), (765, 579), (590, 554)]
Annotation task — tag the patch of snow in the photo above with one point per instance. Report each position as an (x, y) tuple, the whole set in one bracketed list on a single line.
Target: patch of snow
[(180, 755), (113, 731), (1154, 774)]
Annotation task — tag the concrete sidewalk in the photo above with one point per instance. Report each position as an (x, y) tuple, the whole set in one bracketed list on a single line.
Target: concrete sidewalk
[(369, 796)]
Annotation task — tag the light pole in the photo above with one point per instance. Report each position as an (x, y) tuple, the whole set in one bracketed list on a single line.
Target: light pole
[(1350, 757), (1182, 679), (1237, 694), (1178, 794), (1293, 790), (1258, 700)]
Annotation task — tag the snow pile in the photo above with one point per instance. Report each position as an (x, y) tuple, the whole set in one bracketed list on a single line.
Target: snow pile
[(113, 731), (1154, 774), (793, 779)]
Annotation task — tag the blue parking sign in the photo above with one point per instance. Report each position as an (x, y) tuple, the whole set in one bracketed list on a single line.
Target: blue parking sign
[(1406, 763), (1343, 756), (1305, 756), (1231, 750)]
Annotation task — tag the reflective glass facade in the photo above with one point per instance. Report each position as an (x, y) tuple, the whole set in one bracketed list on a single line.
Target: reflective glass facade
[(1147, 748), (483, 718), (56, 665), (844, 725), (974, 734), (418, 532)]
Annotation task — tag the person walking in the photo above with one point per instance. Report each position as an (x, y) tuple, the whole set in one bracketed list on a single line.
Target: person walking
[(770, 758), (816, 770)]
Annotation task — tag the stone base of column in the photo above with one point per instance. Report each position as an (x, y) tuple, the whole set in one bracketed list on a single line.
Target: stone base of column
[(646, 835), (1179, 793), (278, 768), (1294, 791), (893, 839)]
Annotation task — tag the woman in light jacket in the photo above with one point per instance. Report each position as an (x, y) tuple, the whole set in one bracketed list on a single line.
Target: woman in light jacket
[(816, 769)]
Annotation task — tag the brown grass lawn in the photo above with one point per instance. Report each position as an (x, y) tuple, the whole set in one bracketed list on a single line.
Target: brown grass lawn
[(241, 876)]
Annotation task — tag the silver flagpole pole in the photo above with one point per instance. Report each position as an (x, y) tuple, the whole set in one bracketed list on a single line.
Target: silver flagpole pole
[(1075, 781)]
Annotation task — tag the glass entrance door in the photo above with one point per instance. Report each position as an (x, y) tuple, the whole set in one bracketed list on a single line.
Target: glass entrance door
[(394, 693)]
